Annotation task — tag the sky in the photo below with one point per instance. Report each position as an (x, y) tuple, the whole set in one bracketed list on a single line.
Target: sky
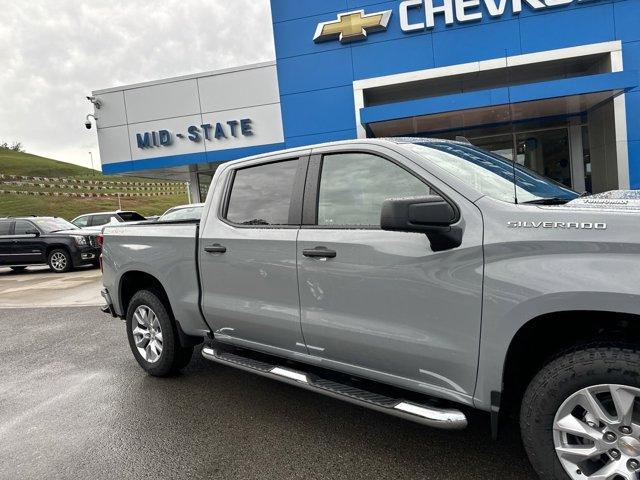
[(54, 53)]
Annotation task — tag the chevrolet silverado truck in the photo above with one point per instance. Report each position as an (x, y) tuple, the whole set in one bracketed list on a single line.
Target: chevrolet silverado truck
[(415, 277)]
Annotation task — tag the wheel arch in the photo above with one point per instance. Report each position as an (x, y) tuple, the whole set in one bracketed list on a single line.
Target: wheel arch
[(133, 281), (57, 246), (544, 337)]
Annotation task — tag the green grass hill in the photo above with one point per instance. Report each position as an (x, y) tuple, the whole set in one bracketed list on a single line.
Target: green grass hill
[(28, 165)]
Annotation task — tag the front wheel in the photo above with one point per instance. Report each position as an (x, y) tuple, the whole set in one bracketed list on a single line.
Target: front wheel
[(152, 336), (59, 261), (580, 416)]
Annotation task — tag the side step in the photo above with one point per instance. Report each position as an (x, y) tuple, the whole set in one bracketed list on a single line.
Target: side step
[(449, 419)]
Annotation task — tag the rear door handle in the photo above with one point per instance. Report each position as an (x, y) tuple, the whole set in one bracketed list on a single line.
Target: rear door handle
[(319, 252), (215, 248)]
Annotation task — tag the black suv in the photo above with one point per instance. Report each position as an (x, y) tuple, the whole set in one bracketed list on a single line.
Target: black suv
[(46, 240)]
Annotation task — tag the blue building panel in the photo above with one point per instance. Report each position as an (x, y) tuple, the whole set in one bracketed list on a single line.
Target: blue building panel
[(300, 141), (567, 28), (319, 111), (480, 42), (627, 20), (316, 79), (378, 59), (318, 71), (284, 10)]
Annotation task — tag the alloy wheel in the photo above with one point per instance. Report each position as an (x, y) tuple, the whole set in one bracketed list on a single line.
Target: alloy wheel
[(147, 333), (596, 433), (59, 261)]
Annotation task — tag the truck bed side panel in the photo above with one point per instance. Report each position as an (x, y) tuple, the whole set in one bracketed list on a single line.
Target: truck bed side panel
[(165, 251)]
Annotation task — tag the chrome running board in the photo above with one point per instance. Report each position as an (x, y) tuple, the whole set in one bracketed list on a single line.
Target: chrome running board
[(431, 416)]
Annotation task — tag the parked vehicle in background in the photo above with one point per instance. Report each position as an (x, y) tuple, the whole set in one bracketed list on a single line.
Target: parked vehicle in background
[(52, 241), (183, 212), (410, 276), (105, 218)]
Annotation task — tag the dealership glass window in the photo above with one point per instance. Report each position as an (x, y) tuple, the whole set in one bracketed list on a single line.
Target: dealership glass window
[(5, 228), (22, 227), (586, 155), (261, 195), (204, 182), (547, 153), (353, 187)]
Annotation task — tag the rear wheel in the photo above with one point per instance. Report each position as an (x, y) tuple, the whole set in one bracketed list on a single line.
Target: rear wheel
[(152, 335), (580, 416), (59, 261)]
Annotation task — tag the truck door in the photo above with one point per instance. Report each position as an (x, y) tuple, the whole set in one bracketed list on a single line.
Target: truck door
[(247, 253), (383, 304)]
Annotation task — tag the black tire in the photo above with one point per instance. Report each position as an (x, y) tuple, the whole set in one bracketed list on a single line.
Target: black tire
[(59, 266), (173, 357), (18, 269), (556, 382)]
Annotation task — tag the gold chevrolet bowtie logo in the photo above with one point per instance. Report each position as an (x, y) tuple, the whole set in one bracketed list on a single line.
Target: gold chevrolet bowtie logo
[(352, 26)]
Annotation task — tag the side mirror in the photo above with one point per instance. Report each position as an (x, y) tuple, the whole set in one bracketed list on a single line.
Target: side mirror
[(431, 215), (33, 232)]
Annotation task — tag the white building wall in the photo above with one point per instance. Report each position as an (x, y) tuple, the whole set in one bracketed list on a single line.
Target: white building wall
[(176, 104)]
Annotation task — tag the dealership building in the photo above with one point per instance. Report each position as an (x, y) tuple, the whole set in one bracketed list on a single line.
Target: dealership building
[(550, 84)]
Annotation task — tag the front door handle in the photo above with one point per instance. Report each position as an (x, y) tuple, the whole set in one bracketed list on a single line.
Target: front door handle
[(215, 248), (319, 252)]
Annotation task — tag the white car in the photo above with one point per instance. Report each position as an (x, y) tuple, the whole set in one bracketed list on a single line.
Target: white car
[(104, 218), (183, 212)]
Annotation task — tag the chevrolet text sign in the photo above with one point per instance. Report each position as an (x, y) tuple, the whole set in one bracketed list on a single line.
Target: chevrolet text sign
[(465, 10)]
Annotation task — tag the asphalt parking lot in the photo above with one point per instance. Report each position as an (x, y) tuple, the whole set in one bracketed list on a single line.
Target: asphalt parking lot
[(74, 404), (39, 287)]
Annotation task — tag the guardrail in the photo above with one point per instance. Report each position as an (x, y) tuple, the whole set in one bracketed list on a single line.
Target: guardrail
[(84, 182), (84, 194)]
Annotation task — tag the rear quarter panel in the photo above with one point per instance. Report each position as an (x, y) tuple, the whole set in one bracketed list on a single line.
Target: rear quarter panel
[(165, 251)]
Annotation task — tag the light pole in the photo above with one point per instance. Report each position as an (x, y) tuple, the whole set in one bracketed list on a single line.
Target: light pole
[(92, 167)]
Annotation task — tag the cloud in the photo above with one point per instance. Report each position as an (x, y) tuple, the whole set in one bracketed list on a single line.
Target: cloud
[(53, 54)]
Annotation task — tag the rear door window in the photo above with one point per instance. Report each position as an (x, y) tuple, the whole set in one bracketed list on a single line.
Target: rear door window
[(99, 220), (5, 227), (131, 217), (261, 195)]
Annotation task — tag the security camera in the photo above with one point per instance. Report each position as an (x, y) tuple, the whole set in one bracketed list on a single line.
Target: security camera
[(96, 102), (87, 122)]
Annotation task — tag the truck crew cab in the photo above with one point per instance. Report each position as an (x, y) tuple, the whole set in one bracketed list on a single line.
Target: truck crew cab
[(415, 277)]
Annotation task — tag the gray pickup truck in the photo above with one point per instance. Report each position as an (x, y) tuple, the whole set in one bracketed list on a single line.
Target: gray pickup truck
[(415, 277)]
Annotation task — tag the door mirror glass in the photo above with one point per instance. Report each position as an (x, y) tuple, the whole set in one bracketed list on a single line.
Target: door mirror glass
[(430, 214)]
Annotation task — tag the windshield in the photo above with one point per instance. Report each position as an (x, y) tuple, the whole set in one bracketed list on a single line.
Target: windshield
[(492, 174), (187, 213), (50, 225)]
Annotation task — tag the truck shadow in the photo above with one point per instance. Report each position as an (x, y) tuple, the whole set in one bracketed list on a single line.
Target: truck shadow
[(299, 434)]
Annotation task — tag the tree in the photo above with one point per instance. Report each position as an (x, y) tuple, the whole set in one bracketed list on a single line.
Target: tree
[(15, 146)]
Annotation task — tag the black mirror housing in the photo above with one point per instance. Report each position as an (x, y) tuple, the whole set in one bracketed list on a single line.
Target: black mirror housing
[(430, 214), (33, 232)]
